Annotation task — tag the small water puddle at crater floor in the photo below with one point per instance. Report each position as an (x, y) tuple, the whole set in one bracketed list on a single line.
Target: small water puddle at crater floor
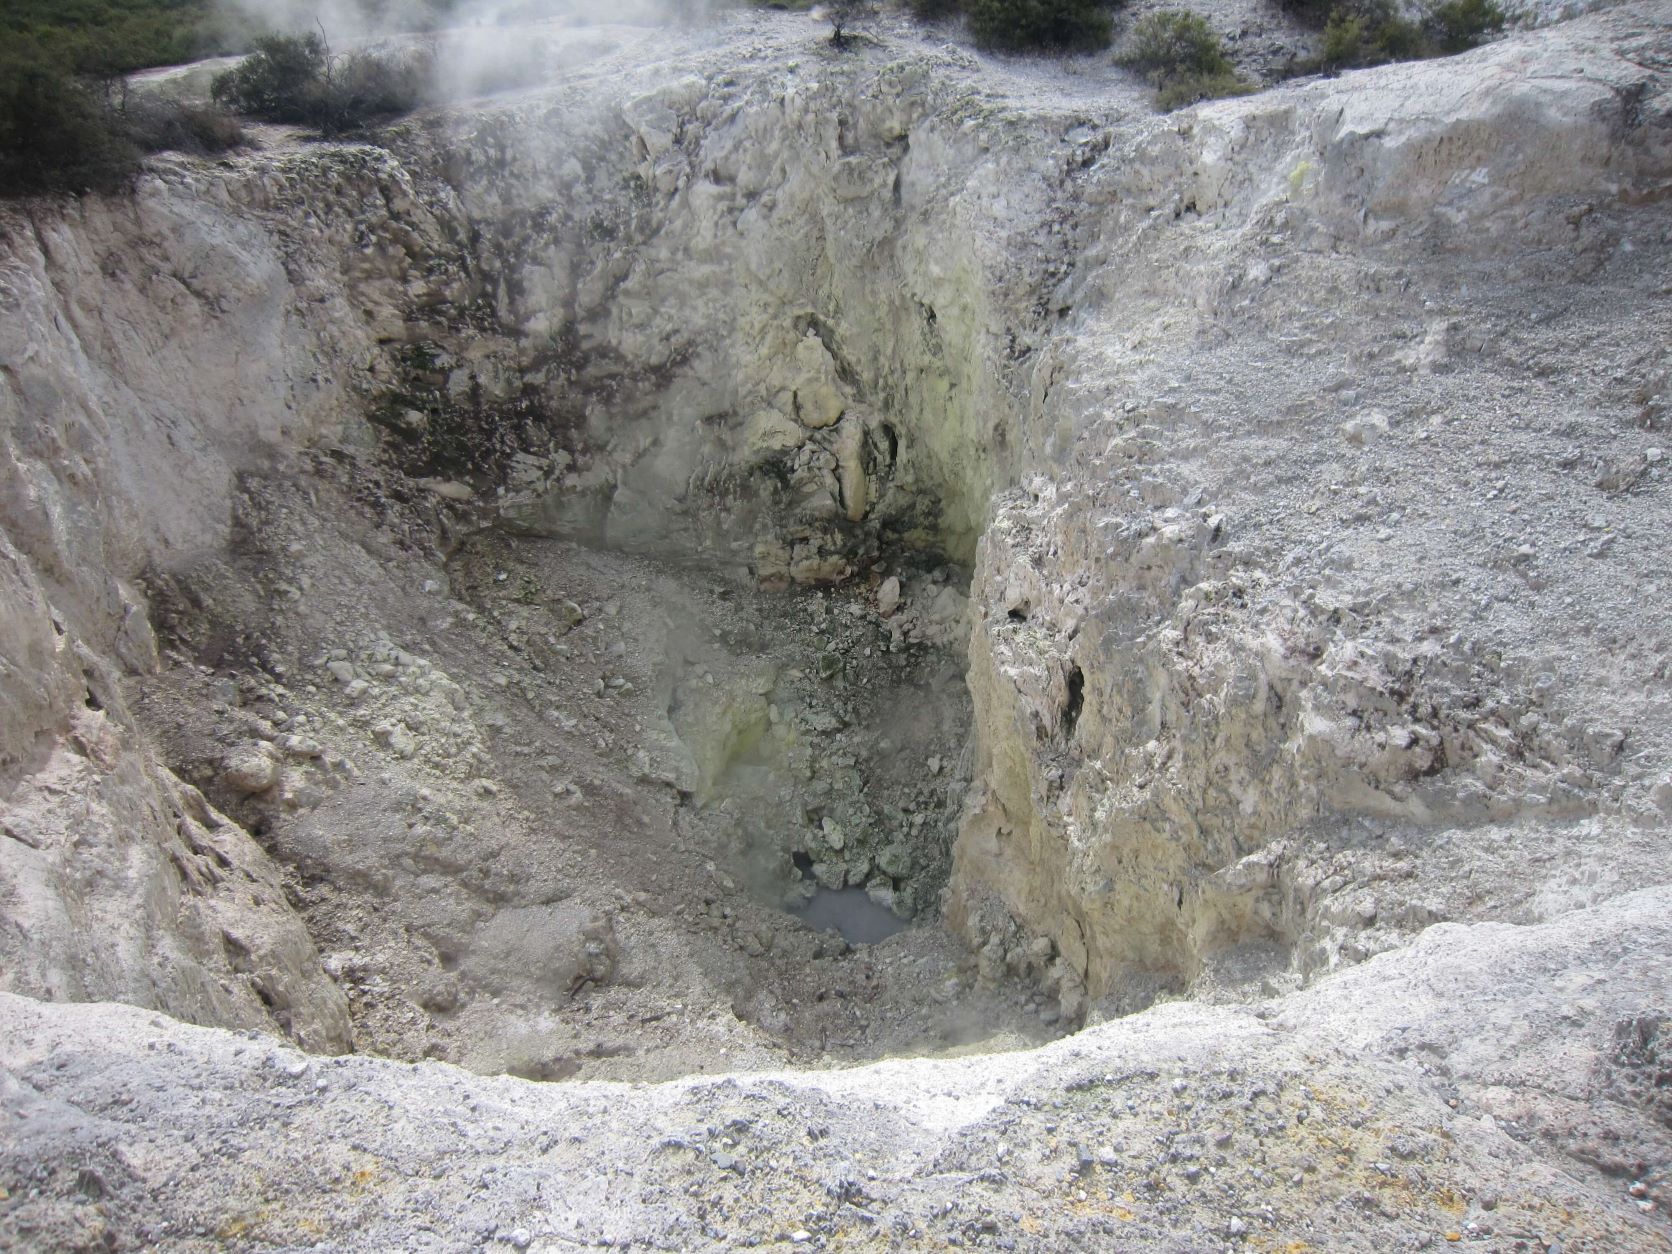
[(851, 912)]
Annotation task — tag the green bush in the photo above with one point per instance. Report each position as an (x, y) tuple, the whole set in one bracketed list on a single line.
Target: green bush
[(61, 133), (1458, 25), (1344, 41), (1400, 39), (294, 78), (931, 10), (1180, 53), (1175, 42), (281, 80), (107, 37), (1373, 32), (1019, 25), (1189, 89), (56, 132)]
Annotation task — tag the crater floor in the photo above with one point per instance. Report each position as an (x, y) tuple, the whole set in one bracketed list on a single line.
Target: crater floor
[(606, 770)]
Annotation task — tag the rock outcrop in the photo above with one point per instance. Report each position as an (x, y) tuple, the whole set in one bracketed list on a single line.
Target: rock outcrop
[(1407, 1104), (1284, 627)]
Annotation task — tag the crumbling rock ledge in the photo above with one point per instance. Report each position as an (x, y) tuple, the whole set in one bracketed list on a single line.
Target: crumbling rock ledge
[(1404, 1104)]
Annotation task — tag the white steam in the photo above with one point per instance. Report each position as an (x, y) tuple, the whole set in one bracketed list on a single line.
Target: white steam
[(478, 46), (359, 21)]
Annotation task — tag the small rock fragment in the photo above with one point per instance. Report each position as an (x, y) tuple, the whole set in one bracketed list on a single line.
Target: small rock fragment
[(888, 596), (252, 767)]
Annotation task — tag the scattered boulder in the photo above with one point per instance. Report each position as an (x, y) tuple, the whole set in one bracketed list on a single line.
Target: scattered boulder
[(251, 768)]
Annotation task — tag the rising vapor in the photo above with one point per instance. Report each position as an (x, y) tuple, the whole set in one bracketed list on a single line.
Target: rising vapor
[(477, 47)]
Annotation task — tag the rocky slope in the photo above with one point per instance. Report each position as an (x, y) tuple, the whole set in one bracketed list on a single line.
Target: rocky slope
[(457, 590), (1438, 1095)]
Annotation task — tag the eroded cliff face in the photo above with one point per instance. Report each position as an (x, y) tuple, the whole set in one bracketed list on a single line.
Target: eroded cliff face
[(152, 348), (728, 319), (1307, 449), (779, 309), (1324, 588)]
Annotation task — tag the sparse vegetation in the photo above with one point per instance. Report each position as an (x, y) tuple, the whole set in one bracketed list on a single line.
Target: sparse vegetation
[(62, 131), (156, 125), (280, 81), (1189, 89), (1458, 25), (1019, 25), (106, 37), (843, 14), (1174, 42), (1180, 53), (1012, 25), (67, 124), (1373, 32), (296, 78)]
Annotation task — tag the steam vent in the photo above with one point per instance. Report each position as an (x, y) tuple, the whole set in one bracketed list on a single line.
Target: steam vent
[(714, 627)]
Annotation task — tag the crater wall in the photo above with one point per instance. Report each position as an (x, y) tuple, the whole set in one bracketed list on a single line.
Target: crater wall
[(1295, 441)]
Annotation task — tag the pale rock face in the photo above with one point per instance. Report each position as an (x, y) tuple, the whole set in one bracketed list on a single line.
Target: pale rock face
[(127, 406), (770, 432), (1163, 715)]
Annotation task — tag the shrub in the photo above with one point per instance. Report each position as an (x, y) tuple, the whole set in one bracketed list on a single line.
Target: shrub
[(1458, 25), (843, 14), (368, 87), (1178, 51), (1189, 89), (1312, 12), (1344, 42), (1024, 24), (280, 81), (1173, 43), (294, 78), (56, 132), (930, 10), (1399, 39), (1372, 32), (105, 37), (155, 125), (60, 133)]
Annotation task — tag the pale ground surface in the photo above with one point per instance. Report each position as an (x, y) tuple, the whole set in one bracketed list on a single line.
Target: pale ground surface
[(455, 593)]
